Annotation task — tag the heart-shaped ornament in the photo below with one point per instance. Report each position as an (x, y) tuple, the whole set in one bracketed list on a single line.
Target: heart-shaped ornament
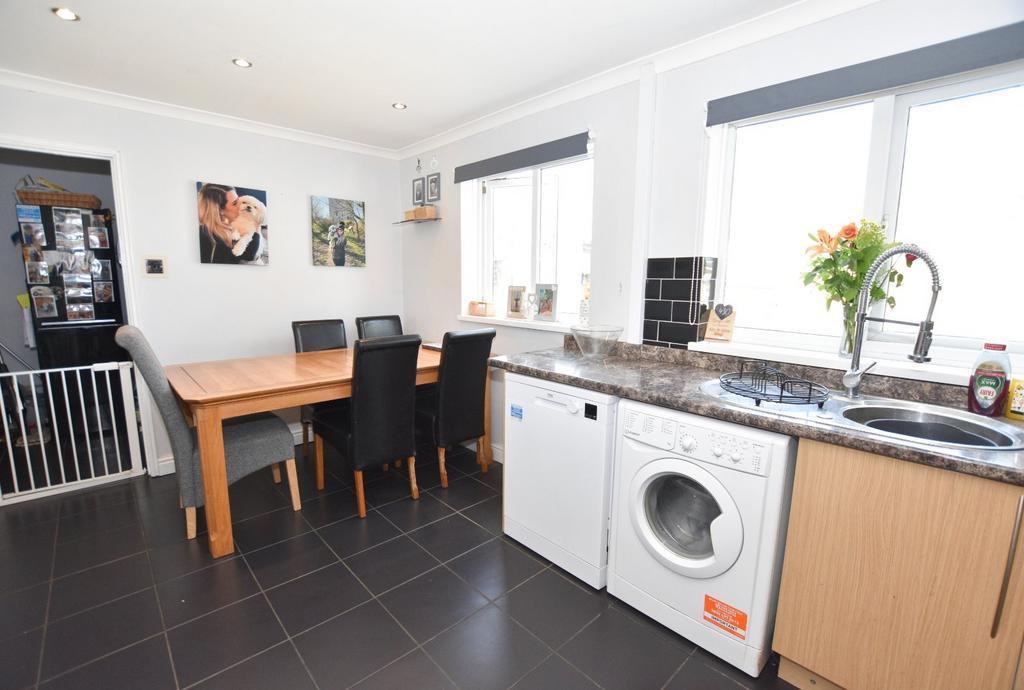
[(723, 311)]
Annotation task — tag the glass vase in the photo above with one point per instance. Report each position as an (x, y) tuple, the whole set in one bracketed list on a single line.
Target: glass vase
[(849, 331)]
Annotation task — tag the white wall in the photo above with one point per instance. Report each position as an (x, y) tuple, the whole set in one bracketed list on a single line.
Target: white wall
[(86, 176), (878, 30), (431, 251), (202, 312), (205, 312), (432, 257)]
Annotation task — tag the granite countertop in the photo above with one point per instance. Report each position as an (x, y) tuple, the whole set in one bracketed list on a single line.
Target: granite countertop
[(677, 385)]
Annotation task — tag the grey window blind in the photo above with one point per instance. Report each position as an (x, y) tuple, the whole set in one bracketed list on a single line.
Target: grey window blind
[(575, 145), (984, 49)]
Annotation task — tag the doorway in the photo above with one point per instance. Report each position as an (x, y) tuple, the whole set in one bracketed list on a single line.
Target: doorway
[(69, 410)]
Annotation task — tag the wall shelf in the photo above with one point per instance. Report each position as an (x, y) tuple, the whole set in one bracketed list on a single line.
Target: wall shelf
[(416, 220)]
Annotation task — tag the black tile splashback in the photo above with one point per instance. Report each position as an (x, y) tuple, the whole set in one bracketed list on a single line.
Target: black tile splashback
[(661, 268), (658, 310), (679, 294)]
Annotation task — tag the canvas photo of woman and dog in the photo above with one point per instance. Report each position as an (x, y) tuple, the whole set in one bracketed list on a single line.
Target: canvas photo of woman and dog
[(339, 232), (232, 225)]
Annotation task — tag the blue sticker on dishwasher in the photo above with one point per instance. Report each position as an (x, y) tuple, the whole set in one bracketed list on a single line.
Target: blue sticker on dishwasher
[(517, 411)]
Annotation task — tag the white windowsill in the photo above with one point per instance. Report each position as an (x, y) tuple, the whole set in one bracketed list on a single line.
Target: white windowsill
[(905, 369), (552, 326)]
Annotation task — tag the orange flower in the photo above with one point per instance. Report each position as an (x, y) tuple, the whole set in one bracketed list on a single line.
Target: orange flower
[(826, 244), (849, 232)]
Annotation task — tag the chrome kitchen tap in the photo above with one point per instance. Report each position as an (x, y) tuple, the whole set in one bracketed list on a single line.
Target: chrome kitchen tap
[(853, 376)]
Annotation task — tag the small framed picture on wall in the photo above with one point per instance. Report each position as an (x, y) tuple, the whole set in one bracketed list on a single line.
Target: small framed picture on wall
[(418, 191), (434, 187)]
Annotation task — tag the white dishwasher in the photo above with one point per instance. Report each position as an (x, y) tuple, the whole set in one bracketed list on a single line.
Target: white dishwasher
[(559, 443)]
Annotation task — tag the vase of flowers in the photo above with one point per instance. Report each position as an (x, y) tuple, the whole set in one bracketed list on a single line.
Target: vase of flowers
[(839, 264)]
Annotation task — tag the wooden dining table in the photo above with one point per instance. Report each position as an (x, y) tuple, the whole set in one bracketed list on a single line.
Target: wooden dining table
[(210, 392)]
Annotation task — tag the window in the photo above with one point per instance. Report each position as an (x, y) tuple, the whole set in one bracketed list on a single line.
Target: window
[(938, 166), (532, 226)]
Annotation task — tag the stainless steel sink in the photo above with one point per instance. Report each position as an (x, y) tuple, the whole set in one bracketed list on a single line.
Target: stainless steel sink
[(937, 426)]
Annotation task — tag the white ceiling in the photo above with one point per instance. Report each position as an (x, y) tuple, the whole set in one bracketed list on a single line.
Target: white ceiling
[(333, 67)]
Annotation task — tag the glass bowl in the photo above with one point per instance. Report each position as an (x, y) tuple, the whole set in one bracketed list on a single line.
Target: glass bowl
[(595, 341)]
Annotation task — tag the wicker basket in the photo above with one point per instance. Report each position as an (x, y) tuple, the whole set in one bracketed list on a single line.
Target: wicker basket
[(68, 199)]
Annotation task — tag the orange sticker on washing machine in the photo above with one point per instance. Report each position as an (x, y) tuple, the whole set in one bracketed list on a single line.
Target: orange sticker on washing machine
[(728, 618)]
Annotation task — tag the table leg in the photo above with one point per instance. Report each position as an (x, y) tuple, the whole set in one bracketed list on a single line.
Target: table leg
[(487, 453), (210, 432)]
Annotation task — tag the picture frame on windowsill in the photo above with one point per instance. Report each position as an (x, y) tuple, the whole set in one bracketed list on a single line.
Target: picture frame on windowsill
[(547, 302), (516, 302)]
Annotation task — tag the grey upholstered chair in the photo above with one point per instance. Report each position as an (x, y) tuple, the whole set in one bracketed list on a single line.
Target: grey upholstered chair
[(251, 443)]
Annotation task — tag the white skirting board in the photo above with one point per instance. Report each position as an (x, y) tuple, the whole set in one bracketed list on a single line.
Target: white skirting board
[(497, 452)]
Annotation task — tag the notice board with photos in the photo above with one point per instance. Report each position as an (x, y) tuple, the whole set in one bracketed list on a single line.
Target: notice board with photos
[(70, 260)]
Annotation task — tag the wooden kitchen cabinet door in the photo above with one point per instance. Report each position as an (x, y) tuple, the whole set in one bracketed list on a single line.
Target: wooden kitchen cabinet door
[(893, 573)]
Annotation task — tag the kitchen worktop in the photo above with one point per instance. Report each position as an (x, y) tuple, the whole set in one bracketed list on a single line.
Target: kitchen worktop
[(673, 380)]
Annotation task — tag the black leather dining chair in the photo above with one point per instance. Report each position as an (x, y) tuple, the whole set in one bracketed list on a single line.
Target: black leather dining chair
[(454, 412), (379, 426), (313, 336), (378, 326)]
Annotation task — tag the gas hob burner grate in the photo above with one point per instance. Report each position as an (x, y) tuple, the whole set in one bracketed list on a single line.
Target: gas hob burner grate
[(759, 381)]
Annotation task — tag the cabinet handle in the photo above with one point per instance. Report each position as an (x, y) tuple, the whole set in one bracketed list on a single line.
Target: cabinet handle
[(1009, 567)]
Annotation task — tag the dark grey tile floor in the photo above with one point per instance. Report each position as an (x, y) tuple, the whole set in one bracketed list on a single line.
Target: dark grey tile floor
[(100, 589)]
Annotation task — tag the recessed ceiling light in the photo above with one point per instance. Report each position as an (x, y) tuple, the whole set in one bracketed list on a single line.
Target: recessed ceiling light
[(242, 62), (398, 105), (65, 14)]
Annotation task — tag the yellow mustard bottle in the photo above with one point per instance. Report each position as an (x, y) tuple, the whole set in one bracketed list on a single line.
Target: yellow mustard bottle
[(1015, 401)]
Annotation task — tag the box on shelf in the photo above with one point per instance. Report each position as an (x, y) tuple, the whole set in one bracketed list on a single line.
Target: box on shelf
[(425, 212), (410, 214)]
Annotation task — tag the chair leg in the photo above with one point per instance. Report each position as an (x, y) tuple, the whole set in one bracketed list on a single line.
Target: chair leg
[(481, 457), (414, 489), (360, 496), (190, 522), (305, 440), (293, 483), (275, 469), (441, 468), (319, 443)]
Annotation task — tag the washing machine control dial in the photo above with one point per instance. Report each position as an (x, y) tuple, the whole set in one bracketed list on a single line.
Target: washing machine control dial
[(687, 442), (735, 456), (717, 451)]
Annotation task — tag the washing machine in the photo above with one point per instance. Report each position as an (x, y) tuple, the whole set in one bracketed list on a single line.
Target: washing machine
[(699, 514)]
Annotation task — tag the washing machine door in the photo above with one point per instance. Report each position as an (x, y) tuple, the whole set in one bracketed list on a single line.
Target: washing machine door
[(685, 518)]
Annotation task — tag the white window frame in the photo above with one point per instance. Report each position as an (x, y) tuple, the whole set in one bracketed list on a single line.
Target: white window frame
[(485, 223), (882, 195), (477, 247)]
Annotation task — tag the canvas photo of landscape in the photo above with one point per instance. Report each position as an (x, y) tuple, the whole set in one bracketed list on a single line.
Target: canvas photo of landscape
[(339, 232)]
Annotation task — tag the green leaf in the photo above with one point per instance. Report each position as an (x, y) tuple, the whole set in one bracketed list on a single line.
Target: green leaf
[(891, 301)]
